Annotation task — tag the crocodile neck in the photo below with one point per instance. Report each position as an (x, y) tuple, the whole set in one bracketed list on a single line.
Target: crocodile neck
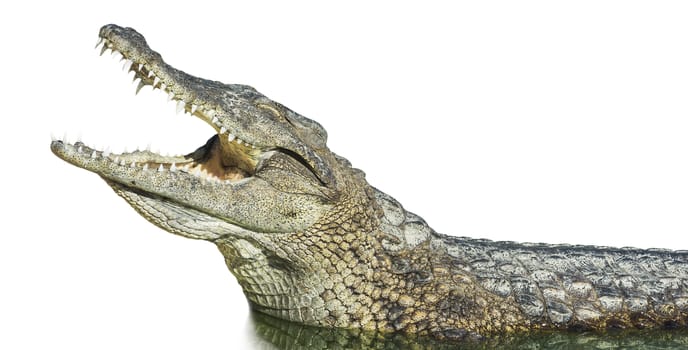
[(389, 271)]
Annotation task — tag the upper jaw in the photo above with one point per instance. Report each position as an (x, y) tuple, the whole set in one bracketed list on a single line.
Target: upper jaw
[(240, 115), (193, 95)]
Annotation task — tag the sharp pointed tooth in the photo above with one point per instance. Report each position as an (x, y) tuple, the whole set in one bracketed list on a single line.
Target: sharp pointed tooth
[(133, 165), (173, 168), (238, 141), (122, 162), (180, 106), (140, 66), (116, 159), (117, 55), (210, 113), (141, 85), (136, 77), (231, 137), (161, 168), (127, 65), (100, 41), (105, 47), (223, 130), (145, 166), (215, 120), (156, 80), (106, 153), (193, 108), (94, 155), (197, 172), (170, 96), (80, 149), (163, 86)]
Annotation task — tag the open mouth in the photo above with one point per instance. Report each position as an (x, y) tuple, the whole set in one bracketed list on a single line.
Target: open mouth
[(260, 171), (226, 157)]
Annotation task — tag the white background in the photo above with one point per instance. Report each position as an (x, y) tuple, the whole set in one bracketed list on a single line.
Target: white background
[(527, 121)]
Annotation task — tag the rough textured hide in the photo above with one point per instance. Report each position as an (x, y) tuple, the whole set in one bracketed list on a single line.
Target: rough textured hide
[(310, 241)]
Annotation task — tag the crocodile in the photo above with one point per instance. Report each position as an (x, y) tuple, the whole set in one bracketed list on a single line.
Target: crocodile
[(310, 241)]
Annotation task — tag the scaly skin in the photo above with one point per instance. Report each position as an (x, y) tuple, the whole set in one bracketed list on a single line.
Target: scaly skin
[(310, 241)]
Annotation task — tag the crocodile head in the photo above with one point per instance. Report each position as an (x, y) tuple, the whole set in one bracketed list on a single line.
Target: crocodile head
[(261, 171), (264, 188)]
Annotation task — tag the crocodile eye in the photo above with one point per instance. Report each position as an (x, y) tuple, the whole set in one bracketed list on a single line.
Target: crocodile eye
[(274, 111)]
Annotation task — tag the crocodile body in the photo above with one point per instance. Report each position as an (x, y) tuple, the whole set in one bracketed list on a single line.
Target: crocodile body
[(310, 241)]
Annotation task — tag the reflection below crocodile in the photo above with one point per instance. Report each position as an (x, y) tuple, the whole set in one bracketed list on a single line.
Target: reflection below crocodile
[(272, 333)]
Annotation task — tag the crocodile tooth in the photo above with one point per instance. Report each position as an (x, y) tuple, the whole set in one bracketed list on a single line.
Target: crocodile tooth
[(100, 41), (156, 80), (80, 149), (141, 85), (193, 108), (197, 172), (106, 153), (127, 65), (145, 166), (238, 141), (122, 162), (102, 51), (94, 155), (173, 168), (140, 66), (163, 86), (210, 113), (161, 168), (223, 130), (231, 137), (215, 120), (170, 96), (180, 106), (117, 55), (133, 165), (136, 77)]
